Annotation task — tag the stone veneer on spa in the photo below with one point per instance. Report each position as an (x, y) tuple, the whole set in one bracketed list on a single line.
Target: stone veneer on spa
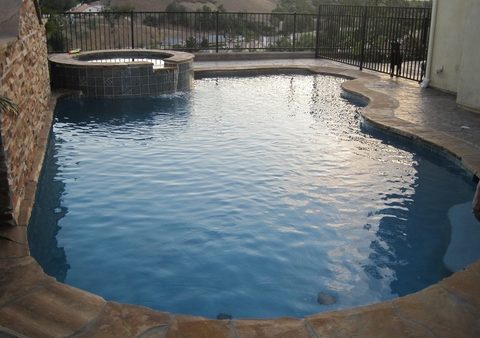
[(122, 79)]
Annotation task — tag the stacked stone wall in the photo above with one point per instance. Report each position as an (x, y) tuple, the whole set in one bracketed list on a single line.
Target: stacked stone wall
[(24, 78)]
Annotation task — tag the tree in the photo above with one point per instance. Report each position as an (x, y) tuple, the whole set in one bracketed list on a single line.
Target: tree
[(175, 7), (120, 8), (205, 9), (191, 44), (56, 6), (389, 3), (151, 20), (306, 41), (283, 43), (205, 43), (54, 29), (291, 6)]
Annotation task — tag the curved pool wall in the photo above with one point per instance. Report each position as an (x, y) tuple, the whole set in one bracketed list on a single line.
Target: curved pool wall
[(122, 79), (448, 308)]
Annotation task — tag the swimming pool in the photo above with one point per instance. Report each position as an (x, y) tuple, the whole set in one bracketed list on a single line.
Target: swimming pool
[(246, 197)]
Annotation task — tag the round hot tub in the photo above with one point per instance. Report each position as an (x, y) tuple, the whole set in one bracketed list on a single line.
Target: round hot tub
[(123, 73)]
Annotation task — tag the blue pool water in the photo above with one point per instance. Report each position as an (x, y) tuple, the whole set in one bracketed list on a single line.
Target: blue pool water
[(247, 196)]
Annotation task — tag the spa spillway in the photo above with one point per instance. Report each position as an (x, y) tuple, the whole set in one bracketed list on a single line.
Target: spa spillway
[(123, 73)]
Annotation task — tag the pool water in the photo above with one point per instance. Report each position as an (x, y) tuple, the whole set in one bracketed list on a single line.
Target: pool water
[(247, 197)]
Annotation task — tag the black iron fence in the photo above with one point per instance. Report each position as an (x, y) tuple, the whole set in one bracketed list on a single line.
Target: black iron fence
[(385, 39), (189, 31), (392, 40)]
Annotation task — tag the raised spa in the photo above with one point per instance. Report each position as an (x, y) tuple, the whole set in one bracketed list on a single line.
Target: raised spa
[(123, 73), (246, 197)]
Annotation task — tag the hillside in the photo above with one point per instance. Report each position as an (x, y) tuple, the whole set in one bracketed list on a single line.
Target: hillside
[(230, 5)]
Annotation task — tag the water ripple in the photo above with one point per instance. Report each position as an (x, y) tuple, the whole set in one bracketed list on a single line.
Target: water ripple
[(247, 196)]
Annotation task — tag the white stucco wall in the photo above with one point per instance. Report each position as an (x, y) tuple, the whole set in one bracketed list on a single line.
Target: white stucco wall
[(456, 50), (448, 44), (469, 80)]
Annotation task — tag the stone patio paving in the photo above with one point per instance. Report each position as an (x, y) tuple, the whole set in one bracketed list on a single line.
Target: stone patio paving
[(34, 305)]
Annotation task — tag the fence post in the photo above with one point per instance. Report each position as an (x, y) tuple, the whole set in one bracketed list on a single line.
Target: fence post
[(294, 29), (216, 30), (131, 30), (364, 36), (317, 36)]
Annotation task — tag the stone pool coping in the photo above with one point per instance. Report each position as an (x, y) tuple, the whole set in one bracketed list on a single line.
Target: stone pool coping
[(33, 304), (82, 58)]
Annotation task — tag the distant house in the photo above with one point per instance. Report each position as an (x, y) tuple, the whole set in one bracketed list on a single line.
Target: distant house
[(93, 7)]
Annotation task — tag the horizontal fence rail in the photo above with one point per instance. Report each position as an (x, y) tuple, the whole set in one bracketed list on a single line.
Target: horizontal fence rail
[(391, 40)]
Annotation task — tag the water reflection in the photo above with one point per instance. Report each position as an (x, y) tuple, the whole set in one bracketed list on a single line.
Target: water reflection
[(414, 231), (254, 212), (90, 115), (121, 112), (46, 214)]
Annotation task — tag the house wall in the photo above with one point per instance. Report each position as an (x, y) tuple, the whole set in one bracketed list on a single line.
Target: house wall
[(24, 78), (456, 49), (448, 44), (469, 80)]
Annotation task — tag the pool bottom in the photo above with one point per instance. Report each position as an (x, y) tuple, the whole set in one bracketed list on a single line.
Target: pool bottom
[(176, 118)]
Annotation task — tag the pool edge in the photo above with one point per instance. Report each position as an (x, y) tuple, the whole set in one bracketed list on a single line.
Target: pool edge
[(33, 304)]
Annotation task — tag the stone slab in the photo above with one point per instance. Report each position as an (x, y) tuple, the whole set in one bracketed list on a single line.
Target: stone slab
[(13, 242), (53, 310), (373, 321), (277, 328), (194, 327), (118, 320), (18, 277), (440, 312)]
